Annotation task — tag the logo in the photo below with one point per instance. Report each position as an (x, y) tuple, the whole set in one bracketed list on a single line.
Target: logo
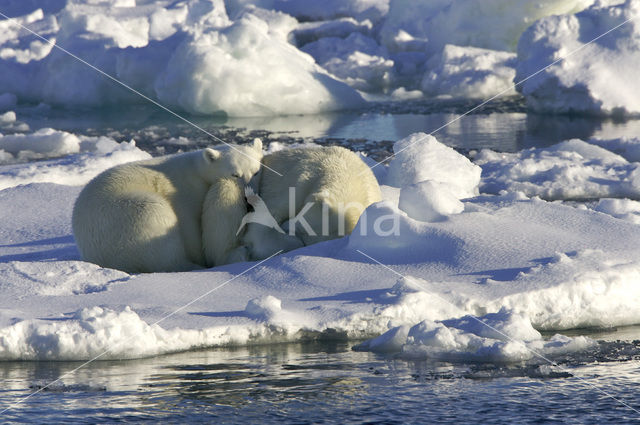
[(321, 217), (260, 213)]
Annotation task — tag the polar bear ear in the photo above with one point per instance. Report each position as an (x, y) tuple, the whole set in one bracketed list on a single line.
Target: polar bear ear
[(257, 144), (211, 154)]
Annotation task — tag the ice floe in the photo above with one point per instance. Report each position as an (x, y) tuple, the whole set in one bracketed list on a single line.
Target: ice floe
[(418, 283)]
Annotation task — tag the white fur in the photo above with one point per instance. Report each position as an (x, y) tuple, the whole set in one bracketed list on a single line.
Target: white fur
[(332, 185), (145, 216)]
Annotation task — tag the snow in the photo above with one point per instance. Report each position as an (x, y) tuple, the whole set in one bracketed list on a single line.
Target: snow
[(90, 156), (463, 260), (415, 283), (625, 209), (627, 147), (469, 72), (420, 157), (572, 169), (248, 58), (601, 79), (494, 337), (187, 55), (490, 24)]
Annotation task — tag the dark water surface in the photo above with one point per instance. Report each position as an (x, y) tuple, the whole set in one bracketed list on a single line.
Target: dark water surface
[(327, 383), (503, 125)]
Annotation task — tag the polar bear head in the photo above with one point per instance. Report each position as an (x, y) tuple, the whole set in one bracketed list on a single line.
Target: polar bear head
[(240, 161)]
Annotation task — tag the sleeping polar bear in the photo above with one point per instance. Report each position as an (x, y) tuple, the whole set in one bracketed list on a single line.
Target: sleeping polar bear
[(145, 216), (319, 196)]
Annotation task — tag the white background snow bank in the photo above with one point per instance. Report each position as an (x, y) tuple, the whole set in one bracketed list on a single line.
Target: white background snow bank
[(601, 78), (569, 170), (551, 266), (265, 57), (187, 54), (91, 155)]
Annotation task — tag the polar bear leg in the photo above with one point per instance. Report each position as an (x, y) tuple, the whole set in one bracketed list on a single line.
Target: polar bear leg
[(264, 241)]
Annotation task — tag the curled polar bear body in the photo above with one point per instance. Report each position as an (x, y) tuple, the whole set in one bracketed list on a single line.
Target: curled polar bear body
[(320, 195), (145, 216)]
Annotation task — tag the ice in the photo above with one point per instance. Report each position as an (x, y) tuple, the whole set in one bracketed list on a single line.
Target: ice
[(92, 155), (44, 143), (420, 157), (429, 201), (625, 209), (317, 11), (187, 55), (469, 72), (340, 28), (251, 54), (518, 264), (492, 24), (356, 59), (572, 169), (627, 147), (262, 57), (599, 79), (494, 337)]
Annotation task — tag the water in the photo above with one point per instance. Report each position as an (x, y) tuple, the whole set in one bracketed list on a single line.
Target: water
[(326, 383), (502, 125), (318, 383)]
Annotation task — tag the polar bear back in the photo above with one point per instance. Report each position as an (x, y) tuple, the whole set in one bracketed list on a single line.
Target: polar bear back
[(331, 174), (329, 188), (145, 216)]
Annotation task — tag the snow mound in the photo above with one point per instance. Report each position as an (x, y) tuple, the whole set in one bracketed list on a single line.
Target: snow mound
[(495, 337), (469, 72), (624, 209), (185, 54), (599, 79), (490, 24), (263, 308), (289, 81), (357, 59), (90, 156), (420, 157), (627, 147), (429, 201), (573, 169), (98, 332), (44, 143), (389, 235)]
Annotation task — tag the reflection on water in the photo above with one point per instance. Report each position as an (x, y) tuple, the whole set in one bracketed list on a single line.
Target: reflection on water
[(504, 129), (312, 383)]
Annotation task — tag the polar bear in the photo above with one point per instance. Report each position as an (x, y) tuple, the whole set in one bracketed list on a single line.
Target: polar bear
[(320, 195), (145, 216)]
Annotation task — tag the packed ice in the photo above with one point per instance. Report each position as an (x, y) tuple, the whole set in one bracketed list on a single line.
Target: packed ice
[(439, 269), (236, 57), (600, 51)]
